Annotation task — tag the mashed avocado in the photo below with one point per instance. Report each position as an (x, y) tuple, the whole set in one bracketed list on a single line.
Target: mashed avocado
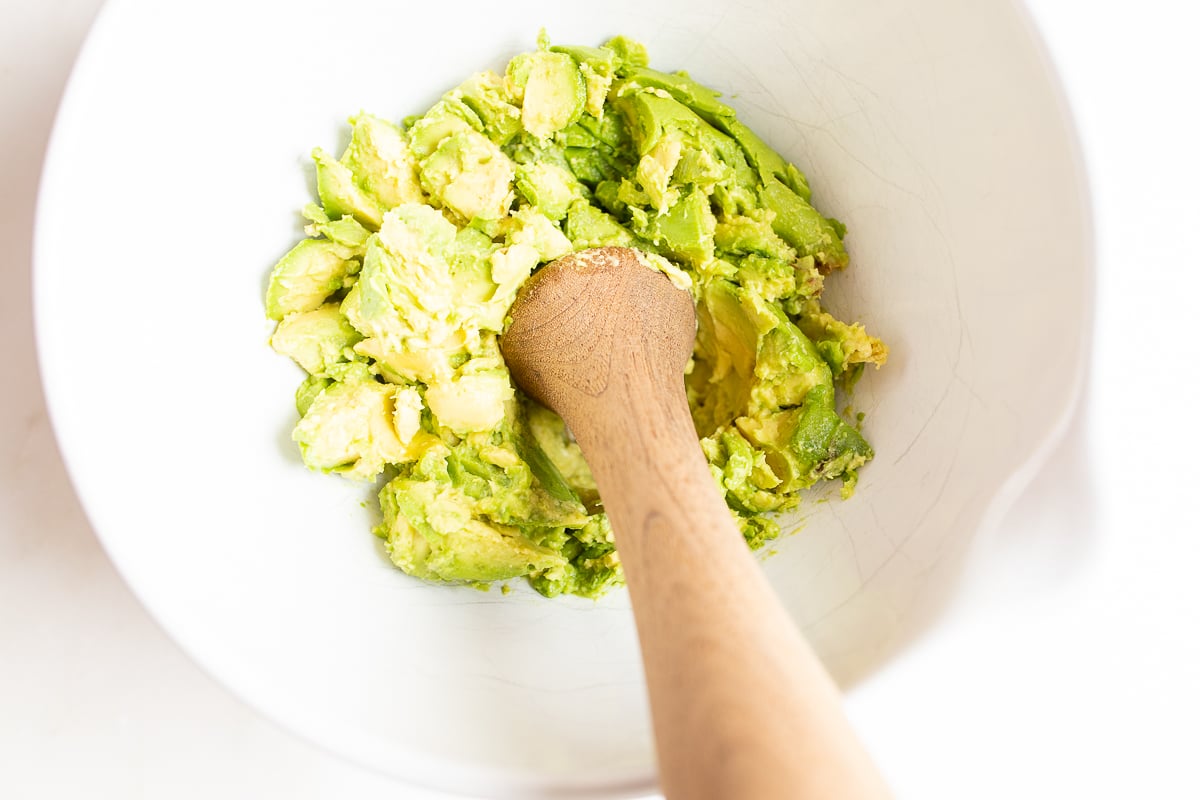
[(425, 231)]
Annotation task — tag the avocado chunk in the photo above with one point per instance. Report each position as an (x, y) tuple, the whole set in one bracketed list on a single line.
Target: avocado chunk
[(548, 188), (471, 175), (770, 384), (449, 116), (485, 94), (341, 195), (552, 91), (803, 227), (685, 231), (474, 401), (769, 278), (308, 390), (655, 169), (316, 339), (597, 65), (593, 565), (766, 161), (628, 52), (350, 428), (431, 532), (566, 463), (808, 443), (345, 231), (539, 233), (841, 344), (405, 287), (470, 261), (752, 235), (683, 89), (376, 172), (380, 160), (304, 278), (724, 358), (588, 226)]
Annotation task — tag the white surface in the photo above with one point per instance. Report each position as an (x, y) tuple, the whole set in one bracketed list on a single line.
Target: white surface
[(265, 572), (1077, 681)]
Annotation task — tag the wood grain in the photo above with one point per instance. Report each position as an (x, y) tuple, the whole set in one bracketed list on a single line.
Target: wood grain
[(742, 708)]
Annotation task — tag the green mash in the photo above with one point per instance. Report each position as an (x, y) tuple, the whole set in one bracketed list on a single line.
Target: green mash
[(426, 230)]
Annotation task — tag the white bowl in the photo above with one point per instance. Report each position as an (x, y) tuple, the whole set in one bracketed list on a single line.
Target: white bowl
[(933, 128)]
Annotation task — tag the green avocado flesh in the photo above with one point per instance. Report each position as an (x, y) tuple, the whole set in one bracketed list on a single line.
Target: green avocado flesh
[(425, 231)]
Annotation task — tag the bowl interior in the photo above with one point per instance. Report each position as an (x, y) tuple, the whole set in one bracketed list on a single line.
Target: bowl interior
[(932, 128)]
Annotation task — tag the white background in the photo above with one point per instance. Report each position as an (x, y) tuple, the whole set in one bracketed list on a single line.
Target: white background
[(1074, 671)]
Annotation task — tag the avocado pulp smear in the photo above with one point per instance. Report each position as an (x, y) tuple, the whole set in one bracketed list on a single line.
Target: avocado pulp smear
[(426, 230)]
